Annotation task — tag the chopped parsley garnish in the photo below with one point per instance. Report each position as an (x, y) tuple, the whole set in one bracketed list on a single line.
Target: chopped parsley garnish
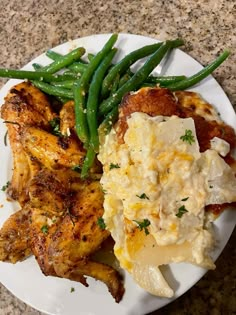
[(181, 211), (104, 191), (114, 166), (72, 289), (55, 124), (4, 187), (143, 196), (101, 223), (188, 136), (54, 220), (142, 225), (76, 168), (44, 229), (185, 199)]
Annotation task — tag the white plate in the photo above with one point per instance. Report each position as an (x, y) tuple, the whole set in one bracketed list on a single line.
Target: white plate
[(52, 295)]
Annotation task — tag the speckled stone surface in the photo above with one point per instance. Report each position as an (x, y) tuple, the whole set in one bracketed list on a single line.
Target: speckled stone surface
[(29, 28)]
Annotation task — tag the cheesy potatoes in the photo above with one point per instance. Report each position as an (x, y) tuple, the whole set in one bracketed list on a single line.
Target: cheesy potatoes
[(157, 182)]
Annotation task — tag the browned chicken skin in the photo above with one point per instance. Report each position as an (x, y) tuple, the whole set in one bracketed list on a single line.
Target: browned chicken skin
[(14, 237), (24, 106), (64, 230), (58, 219), (70, 256), (51, 151)]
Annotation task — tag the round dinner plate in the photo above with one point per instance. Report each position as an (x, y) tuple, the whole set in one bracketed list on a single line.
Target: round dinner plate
[(53, 295)]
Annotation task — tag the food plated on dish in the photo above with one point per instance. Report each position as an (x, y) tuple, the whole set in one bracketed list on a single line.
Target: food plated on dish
[(134, 157), (164, 175)]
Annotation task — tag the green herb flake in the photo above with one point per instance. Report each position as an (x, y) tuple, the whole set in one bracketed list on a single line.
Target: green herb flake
[(4, 187), (185, 199), (142, 225), (188, 136), (55, 124), (101, 223), (54, 220), (104, 191), (210, 186), (181, 211), (143, 196), (44, 229), (76, 168), (114, 166), (72, 289)]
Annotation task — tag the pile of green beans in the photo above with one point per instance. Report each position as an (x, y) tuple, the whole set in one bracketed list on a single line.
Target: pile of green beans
[(81, 87), (97, 85)]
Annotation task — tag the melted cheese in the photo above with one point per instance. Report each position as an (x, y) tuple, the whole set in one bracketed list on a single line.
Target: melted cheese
[(157, 174)]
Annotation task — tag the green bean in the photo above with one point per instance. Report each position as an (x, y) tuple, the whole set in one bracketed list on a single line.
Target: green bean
[(61, 99), (202, 74), (93, 98), (64, 84), (90, 56), (37, 66), (138, 78), (109, 120), (80, 113), (33, 75), (81, 88), (115, 84), (125, 63), (148, 84), (53, 90), (162, 81), (154, 80), (65, 60), (165, 80), (78, 67), (88, 162), (72, 74), (53, 55), (124, 79)]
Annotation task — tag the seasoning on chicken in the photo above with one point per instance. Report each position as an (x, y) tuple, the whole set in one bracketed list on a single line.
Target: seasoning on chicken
[(24, 105), (59, 215), (14, 237)]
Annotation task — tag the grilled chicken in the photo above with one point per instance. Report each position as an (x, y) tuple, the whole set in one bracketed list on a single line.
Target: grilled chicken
[(58, 219), (64, 230), (50, 150), (81, 237), (14, 237), (24, 105)]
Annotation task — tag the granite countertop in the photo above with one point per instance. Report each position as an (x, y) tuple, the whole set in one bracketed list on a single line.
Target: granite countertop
[(27, 29)]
